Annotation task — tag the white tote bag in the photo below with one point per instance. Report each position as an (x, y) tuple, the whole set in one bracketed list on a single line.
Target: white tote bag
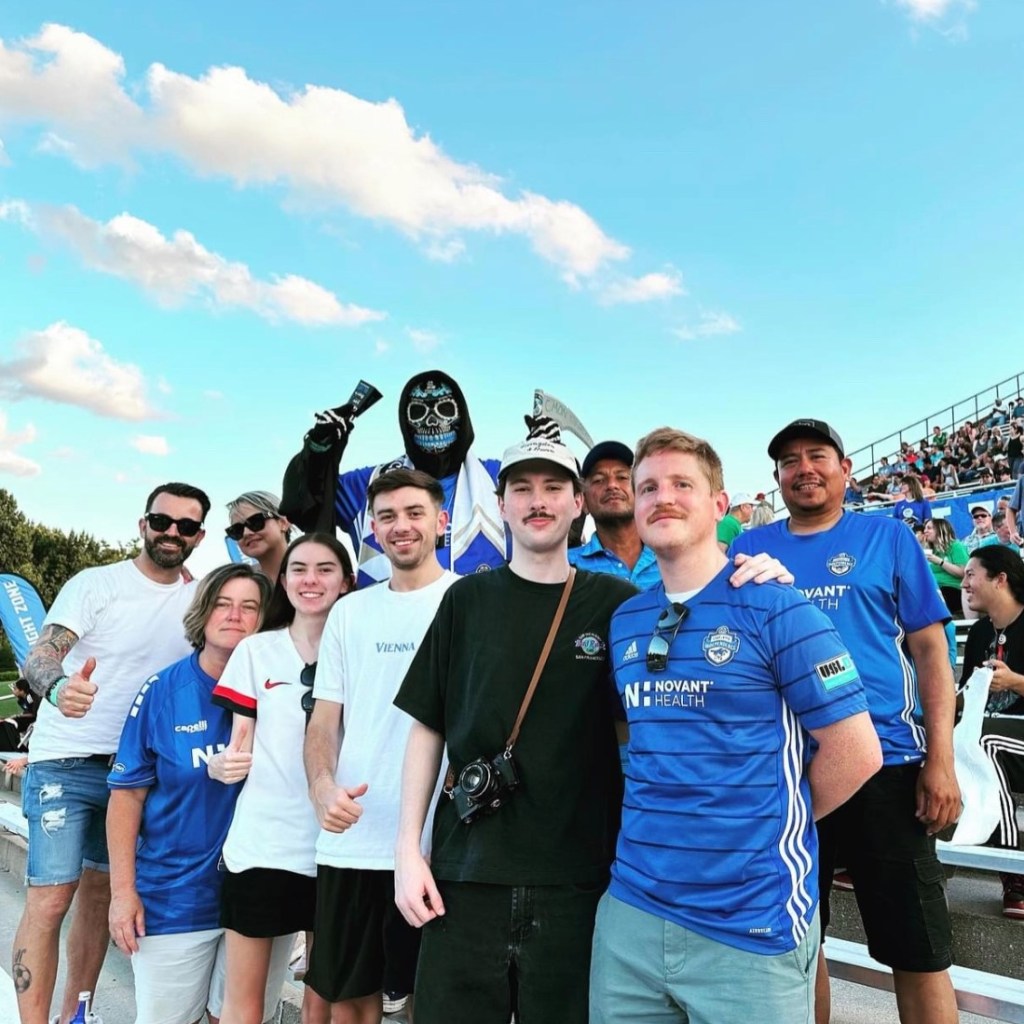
[(975, 773)]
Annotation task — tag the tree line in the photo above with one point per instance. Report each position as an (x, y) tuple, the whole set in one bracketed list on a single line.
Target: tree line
[(47, 557)]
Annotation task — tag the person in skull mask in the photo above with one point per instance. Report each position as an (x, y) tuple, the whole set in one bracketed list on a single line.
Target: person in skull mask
[(438, 435)]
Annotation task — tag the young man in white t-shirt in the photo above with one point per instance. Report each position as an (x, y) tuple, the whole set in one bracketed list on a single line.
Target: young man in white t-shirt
[(110, 628), (354, 750)]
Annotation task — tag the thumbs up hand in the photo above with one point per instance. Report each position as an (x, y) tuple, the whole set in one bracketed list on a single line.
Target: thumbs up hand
[(231, 765), (75, 697)]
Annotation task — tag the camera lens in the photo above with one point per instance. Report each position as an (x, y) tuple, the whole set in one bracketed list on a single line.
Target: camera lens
[(475, 779)]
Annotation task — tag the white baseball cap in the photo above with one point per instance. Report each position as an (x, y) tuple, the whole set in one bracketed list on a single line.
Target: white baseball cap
[(540, 449)]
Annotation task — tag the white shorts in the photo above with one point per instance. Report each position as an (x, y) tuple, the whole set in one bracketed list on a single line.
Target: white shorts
[(177, 977)]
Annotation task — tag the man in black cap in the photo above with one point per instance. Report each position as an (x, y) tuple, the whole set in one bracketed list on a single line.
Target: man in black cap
[(869, 575), (615, 547)]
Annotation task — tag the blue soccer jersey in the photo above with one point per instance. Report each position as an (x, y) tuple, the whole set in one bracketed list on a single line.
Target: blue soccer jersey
[(869, 576), (173, 729), (717, 832)]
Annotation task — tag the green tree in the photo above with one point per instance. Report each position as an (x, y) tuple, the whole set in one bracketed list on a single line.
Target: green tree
[(47, 557)]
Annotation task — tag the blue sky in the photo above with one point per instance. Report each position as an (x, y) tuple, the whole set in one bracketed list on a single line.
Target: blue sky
[(718, 216)]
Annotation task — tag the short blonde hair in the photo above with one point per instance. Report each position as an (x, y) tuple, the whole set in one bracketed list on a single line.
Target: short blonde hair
[(668, 439), (210, 586)]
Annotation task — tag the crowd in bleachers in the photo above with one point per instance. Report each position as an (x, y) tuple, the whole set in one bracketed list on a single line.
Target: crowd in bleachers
[(988, 451)]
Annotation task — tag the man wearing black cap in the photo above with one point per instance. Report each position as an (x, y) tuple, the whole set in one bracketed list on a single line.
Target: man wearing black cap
[(868, 574), (615, 548)]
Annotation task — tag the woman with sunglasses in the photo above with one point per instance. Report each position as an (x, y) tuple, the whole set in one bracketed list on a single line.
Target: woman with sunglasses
[(259, 529), (166, 819), (270, 883)]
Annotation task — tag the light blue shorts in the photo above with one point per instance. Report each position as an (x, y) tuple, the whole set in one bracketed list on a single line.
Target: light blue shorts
[(647, 969), (65, 802)]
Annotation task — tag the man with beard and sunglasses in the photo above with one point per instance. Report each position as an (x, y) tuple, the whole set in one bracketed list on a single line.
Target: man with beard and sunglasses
[(438, 435), (109, 629)]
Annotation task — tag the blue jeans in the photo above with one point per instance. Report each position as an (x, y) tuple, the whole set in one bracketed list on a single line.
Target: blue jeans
[(65, 802), (500, 947), (651, 970)]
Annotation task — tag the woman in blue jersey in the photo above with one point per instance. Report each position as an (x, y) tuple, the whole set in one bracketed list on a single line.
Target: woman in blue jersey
[(912, 505), (270, 853), (167, 819)]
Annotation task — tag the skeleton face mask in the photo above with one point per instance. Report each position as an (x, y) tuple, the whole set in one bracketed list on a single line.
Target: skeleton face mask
[(434, 416)]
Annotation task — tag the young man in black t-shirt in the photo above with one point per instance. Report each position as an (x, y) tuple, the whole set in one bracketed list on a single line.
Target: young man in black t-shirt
[(994, 587), (509, 899)]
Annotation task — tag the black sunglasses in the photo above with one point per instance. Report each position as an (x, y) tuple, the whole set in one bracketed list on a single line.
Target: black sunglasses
[(162, 523), (657, 650), (308, 677), (255, 523), (979, 515)]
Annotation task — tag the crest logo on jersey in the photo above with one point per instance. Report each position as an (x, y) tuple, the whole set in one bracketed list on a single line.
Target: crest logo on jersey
[(590, 646), (840, 565), (482, 567), (720, 645), (631, 652)]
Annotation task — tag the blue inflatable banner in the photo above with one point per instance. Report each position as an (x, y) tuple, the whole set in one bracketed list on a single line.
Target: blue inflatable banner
[(21, 614), (235, 553)]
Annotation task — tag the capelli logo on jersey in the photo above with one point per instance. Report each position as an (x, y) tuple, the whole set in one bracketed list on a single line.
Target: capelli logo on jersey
[(841, 564), (199, 726), (590, 647), (720, 645)]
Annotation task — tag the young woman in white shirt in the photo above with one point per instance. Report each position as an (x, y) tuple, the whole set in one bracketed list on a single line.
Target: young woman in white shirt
[(269, 855)]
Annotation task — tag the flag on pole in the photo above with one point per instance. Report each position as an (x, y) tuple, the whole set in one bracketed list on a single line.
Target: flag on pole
[(21, 614)]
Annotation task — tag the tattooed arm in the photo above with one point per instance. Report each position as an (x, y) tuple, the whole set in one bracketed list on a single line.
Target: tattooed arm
[(43, 664)]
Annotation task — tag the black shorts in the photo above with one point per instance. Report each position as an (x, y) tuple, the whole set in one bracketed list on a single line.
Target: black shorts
[(499, 949), (361, 942), (897, 878), (262, 903)]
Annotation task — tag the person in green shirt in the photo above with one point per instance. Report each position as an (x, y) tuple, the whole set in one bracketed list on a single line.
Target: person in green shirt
[(730, 526), (947, 557)]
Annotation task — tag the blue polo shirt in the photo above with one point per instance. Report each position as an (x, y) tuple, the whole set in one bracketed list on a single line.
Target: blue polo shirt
[(594, 557)]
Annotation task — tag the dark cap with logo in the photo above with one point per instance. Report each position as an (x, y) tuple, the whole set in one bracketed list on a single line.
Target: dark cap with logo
[(806, 428), (606, 450)]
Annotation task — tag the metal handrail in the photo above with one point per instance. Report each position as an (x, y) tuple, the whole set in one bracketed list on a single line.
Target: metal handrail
[(951, 418)]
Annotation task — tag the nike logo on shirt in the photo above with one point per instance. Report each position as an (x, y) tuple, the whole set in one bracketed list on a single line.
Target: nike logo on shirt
[(268, 685)]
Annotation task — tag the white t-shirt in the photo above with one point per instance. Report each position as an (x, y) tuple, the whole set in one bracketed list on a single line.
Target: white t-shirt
[(133, 627), (368, 644), (274, 824)]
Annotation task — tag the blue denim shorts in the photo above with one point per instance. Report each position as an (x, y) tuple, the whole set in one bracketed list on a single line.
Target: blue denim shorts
[(65, 802)]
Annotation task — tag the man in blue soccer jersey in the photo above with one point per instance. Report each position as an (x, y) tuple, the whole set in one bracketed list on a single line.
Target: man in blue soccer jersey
[(711, 912), (869, 576)]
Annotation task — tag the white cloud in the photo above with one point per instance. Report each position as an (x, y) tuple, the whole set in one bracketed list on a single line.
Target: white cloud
[(324, 145), (10, 461), (423, 340), (177, 268), (708, 325), (380, 346), (213, 396), (643, 289), (63, 364), (151, 444), (934, 10), (163, 386), (5, 160)]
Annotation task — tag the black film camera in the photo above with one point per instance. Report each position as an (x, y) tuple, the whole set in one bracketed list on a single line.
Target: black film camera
[(484, 785)]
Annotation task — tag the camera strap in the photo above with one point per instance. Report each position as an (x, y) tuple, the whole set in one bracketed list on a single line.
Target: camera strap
[(541, 661), (449, 781)]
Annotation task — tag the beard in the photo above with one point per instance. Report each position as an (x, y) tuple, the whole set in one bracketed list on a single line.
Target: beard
[(166, 559), (611, 519)]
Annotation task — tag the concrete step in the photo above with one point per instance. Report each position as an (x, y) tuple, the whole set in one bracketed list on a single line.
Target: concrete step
[(983, 939)]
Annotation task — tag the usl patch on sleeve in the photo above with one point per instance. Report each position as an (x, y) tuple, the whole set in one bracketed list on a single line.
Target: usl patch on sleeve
[(836, 672)]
